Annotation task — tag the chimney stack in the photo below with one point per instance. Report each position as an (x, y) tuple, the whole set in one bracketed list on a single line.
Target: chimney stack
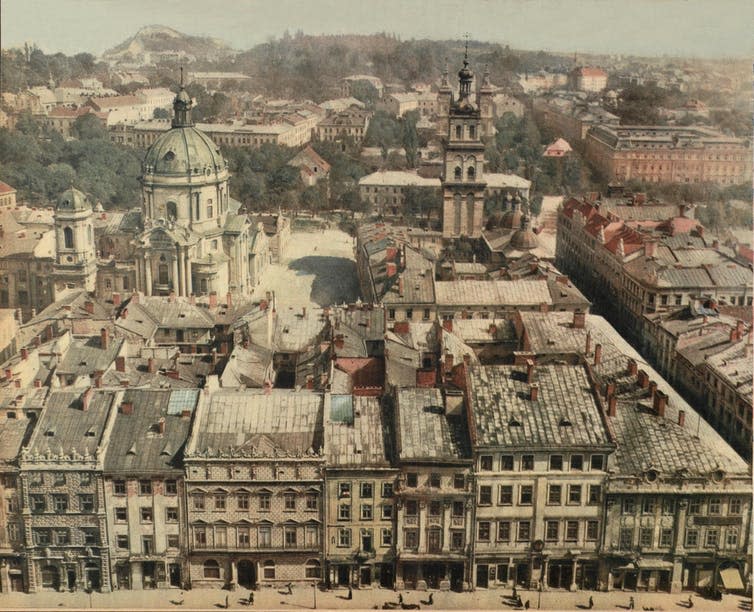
[(715, 243), (17, 383), (660, 403), (533, 392), (161, 425), (116, 299), (734, 335), (447, 325), (98, 381), (120, 364), (597, 354), (127, 408), (86, 398), (229, 299), (339, 341), (612, 406), (579, 319), (37, 341), (650, 249), (652, 389), (24, 353), (310, 382), (8, 374), (37, 383), (588, 344), (529, 370), (632, 367), (609, 390), (124, 313), (643, 379), (466, 359), (681, 418), (151, 367), (104, 338), (89, 307), (213, 300)]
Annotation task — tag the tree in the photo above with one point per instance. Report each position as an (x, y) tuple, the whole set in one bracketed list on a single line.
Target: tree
[(410, 138), (383, 130), (161, 113), (89, 127)]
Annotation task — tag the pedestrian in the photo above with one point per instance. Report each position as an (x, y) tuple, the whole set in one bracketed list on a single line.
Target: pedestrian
[(691, 603), (290, 588), (251, 598), (526, 605), (630, 603), (431, 599), (591, 602), (227, 603), (350, 593), (400, 599), (515, 593)]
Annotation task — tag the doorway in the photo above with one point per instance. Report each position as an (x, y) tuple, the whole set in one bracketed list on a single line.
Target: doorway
[(482, 576), (344, 575), (386, 576), (51, 577), (456, 577), (93, 580), (246, 574), (365, 576), (71, 577), (174, 572)]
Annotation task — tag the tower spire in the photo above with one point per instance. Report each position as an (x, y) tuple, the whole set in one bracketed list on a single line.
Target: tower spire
[(182, 105), (181, 77)]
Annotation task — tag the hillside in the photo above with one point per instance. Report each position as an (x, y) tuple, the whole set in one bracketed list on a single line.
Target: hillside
[(154, 43)]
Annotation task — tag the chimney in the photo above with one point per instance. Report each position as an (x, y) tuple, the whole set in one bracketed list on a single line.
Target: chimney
[(579, 319), (104, 338), (185, 414), (681, 418), (650, 249), (700, 230), (448, 362), (49, 333), (213, 300), (632, 367), (89, 307), (37, 341), (86, 398), (588, 344), (98, 381), (339, 341), (127, 408), (24, 353), (214, 356), (401, 327), (609, 390), (529, 370), (161, 425), (533, 392), (659, 403), (124, 382), (643, 379), (597, 354), (310, 382), (120, 364), (37, 383), (467, 359), (733, 337), (391, 269), (151, 367), (124, 313), (135, 297), (116, 299), (612, 406), (715, 243), (8, 374), (17, 383), (543, 307), (447, 325), (229, 299), (173, 374)]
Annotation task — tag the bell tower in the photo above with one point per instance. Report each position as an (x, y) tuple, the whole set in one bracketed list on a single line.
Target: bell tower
[(75, 255), (463, 163)]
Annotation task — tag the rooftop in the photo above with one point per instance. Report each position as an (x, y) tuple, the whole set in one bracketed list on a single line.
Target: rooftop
[(356, 433)]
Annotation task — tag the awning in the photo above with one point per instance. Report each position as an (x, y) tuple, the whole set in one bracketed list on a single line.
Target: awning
[(731, 578), (657, 564)]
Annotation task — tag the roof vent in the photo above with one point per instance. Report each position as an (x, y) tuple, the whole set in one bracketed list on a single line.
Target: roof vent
[(514, 422), (132, 450), (564, 422)]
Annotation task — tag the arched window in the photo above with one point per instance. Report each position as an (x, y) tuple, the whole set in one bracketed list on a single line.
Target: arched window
[(458, 173), (89, 234), (472, 131), (68, 237), (459, 131), (162, 271), (210, 211), (172, 210), (268, 570), (312, 568), (211, 569), (471, 173)]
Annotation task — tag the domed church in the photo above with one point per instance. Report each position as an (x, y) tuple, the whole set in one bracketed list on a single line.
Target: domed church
[(193, 241)]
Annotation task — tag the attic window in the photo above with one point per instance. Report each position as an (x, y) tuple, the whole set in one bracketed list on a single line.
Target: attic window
[(169, 156), (564, 422), (90, 432), (166, 450), (132, 450), (650, 475), (182, 315), (50, 432), (11, 415), (514, 422)]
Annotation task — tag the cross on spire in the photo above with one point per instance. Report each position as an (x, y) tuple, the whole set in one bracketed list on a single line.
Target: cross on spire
[(466, 52), (181, 76)]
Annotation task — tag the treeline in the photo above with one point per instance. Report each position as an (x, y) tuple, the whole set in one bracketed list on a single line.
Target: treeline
[(31, 67), (40, 164)]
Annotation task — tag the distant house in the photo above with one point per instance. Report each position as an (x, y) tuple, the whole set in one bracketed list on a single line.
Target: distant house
[(61, 119), (585, 78), (312, 167), (559, 148)]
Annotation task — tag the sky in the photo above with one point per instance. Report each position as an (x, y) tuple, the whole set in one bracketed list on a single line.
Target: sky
[(696, 28)]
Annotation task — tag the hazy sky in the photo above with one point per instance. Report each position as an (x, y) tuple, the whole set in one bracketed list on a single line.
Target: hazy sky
[(701, 28)]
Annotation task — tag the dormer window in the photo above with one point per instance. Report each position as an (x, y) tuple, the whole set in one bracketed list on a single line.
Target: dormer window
[(169, 156)]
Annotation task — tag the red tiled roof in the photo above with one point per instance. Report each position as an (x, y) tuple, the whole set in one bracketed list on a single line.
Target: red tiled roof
[(5, 188), (592, 72)]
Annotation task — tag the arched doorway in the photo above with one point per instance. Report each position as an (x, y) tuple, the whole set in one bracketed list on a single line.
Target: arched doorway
[(50, 577), (93, 579), (247, 574)]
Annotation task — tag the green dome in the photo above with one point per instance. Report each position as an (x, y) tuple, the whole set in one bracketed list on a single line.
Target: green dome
[(183, 150), (72, 200)]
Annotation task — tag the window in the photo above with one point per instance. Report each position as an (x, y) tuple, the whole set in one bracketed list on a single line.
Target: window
[(666, 538), (121, 515), (592, 530), (60, 503), (628, 505), (59, 479), (504, 531), (12, 504), (62, 537), (172, 541), (289, 501), (171, 487), (572, 531), (411, 538), (692, 538), (597, 462), (344, 489), (435, 480), (387, 537), (712, 538), (425, 314), (119, 487), (695, 506), (525, 495), (577, 462), (485, 463), (366, 512), (211, 569), (290, 536), (731, 537), (344, 537), (265, 536), (595, 493), (556, 462), (86, 503), (311, 568), (554, 494), (506, 495), (524, 531), (714, 505), (68, 237), (472, 133), (171, 514), (574, 494), (459, 132), (648, 505), (391, 313), (85, 479), (483, 532), (121, 541), (344, 512), (412, 479), (506, 463), (457, 509), (145, 487), (412, 508), (626, 537), (264, 501), (459, 481), (646, 537), (198, 501), (37, 502), (485, 495), (366, 490), (435, 508), (552, 529), (387, 489), (735, 506), (242, 499), (387, 511), (146, 514), (312, 502)]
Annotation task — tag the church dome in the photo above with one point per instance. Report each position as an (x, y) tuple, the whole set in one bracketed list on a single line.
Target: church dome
[(524, 238), (512, 219), (182, 151), (73, 200)]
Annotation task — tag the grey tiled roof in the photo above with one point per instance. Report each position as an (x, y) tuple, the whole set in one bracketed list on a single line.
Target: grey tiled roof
[(178, 313), (85, 357), (12, 434), (564, 414), (492, 293), (364, 441), (136, 446), (425, 432)]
